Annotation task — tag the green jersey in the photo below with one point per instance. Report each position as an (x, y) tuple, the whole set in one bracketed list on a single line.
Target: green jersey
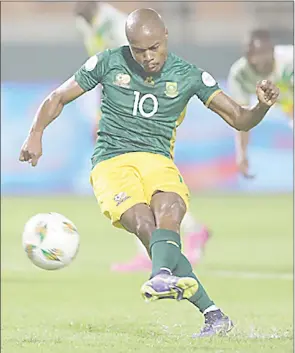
[(140, 111)]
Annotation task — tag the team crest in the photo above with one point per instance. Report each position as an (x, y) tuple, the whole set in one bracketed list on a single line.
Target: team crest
[(171, 89), (121, 197), (122, 80)]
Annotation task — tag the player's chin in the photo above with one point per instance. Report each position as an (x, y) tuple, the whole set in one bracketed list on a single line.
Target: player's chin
[(153, 68)]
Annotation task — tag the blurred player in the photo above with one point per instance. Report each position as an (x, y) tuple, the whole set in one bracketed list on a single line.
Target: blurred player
[(145, 93), (103, 27), (261, 61)]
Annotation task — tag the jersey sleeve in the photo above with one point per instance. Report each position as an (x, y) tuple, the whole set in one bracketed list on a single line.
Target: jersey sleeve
[(204, 85), (93, 71), (235, 88)]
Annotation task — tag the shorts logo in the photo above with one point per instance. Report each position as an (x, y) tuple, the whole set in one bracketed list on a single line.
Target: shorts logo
[(122, 80), (171, 89), (121, 197)]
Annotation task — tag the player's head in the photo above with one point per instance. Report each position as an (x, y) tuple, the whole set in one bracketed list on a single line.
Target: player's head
[(147, 36), (260, 52), (86, 9)]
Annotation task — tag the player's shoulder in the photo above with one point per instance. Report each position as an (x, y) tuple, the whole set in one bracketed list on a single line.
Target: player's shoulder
[(178, 63)]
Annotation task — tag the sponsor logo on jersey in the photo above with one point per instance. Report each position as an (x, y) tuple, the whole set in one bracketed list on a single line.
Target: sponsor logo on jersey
[(149, 81), (121, 197), (122, 80), (208, 80), (171, 89)]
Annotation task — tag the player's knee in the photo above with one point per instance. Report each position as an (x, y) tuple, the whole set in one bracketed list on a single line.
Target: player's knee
[(169, 210), (139, 220), (144, 229), (145, 226)]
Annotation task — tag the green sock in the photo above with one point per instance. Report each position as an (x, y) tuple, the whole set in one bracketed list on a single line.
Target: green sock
[(200, 299), (165, 248)]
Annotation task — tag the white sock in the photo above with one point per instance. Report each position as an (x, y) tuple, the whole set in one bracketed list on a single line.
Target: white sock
[(211, 308), (166, 269), (190, 224)]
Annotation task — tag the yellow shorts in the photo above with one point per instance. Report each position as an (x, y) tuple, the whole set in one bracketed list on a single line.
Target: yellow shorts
[(126, 180)]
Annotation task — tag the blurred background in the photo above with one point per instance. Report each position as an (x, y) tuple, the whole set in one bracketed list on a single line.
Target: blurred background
[(41, 47)]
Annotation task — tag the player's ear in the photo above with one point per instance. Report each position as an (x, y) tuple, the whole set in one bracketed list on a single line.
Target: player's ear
[(166, 33)]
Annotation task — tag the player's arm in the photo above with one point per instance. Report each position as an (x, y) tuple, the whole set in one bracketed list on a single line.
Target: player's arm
[(238, 93), (53, 105), (85, 10), (244, 119), (241, 118), (86, 78)]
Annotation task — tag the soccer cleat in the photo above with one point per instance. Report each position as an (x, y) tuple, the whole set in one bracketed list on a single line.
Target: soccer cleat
[(216, 324), (194, 244), (140, 263), (167, 286)]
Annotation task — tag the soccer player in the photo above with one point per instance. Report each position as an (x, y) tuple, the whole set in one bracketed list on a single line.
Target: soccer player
[(137, 185), (262, 60), (102, 27)]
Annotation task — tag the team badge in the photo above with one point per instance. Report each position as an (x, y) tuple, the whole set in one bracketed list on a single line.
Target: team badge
[(121, 197), (122, 80), (171, 89)]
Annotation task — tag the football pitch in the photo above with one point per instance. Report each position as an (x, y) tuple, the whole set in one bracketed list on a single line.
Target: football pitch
[(85, 308)]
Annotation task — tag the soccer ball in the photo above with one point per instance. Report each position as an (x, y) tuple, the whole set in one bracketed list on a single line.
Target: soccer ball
[(50, 240)]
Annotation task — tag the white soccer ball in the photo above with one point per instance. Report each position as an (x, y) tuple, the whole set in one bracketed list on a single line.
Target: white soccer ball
[(50, 240)]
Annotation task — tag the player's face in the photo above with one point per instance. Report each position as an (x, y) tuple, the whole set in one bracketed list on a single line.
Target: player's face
[(262, 61), (150, 53)]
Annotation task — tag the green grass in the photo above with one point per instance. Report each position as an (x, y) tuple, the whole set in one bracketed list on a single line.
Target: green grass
[(87, 309)]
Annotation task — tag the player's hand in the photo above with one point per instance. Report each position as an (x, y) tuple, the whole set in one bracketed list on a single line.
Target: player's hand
[(267, 92), (243, 168), (31, 149)]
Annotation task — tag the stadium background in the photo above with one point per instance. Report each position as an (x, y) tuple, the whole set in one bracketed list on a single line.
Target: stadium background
[(38, 55)]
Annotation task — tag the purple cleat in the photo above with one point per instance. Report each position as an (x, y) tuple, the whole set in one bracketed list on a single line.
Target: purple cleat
[(166, 286), (216, 324)]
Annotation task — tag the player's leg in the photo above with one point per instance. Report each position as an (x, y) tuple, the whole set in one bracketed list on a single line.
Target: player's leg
[(118, 188), (165, 248), (196, 236), (216, 322), (168, 211), (168, 208), (163, 245), (139, 220)]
